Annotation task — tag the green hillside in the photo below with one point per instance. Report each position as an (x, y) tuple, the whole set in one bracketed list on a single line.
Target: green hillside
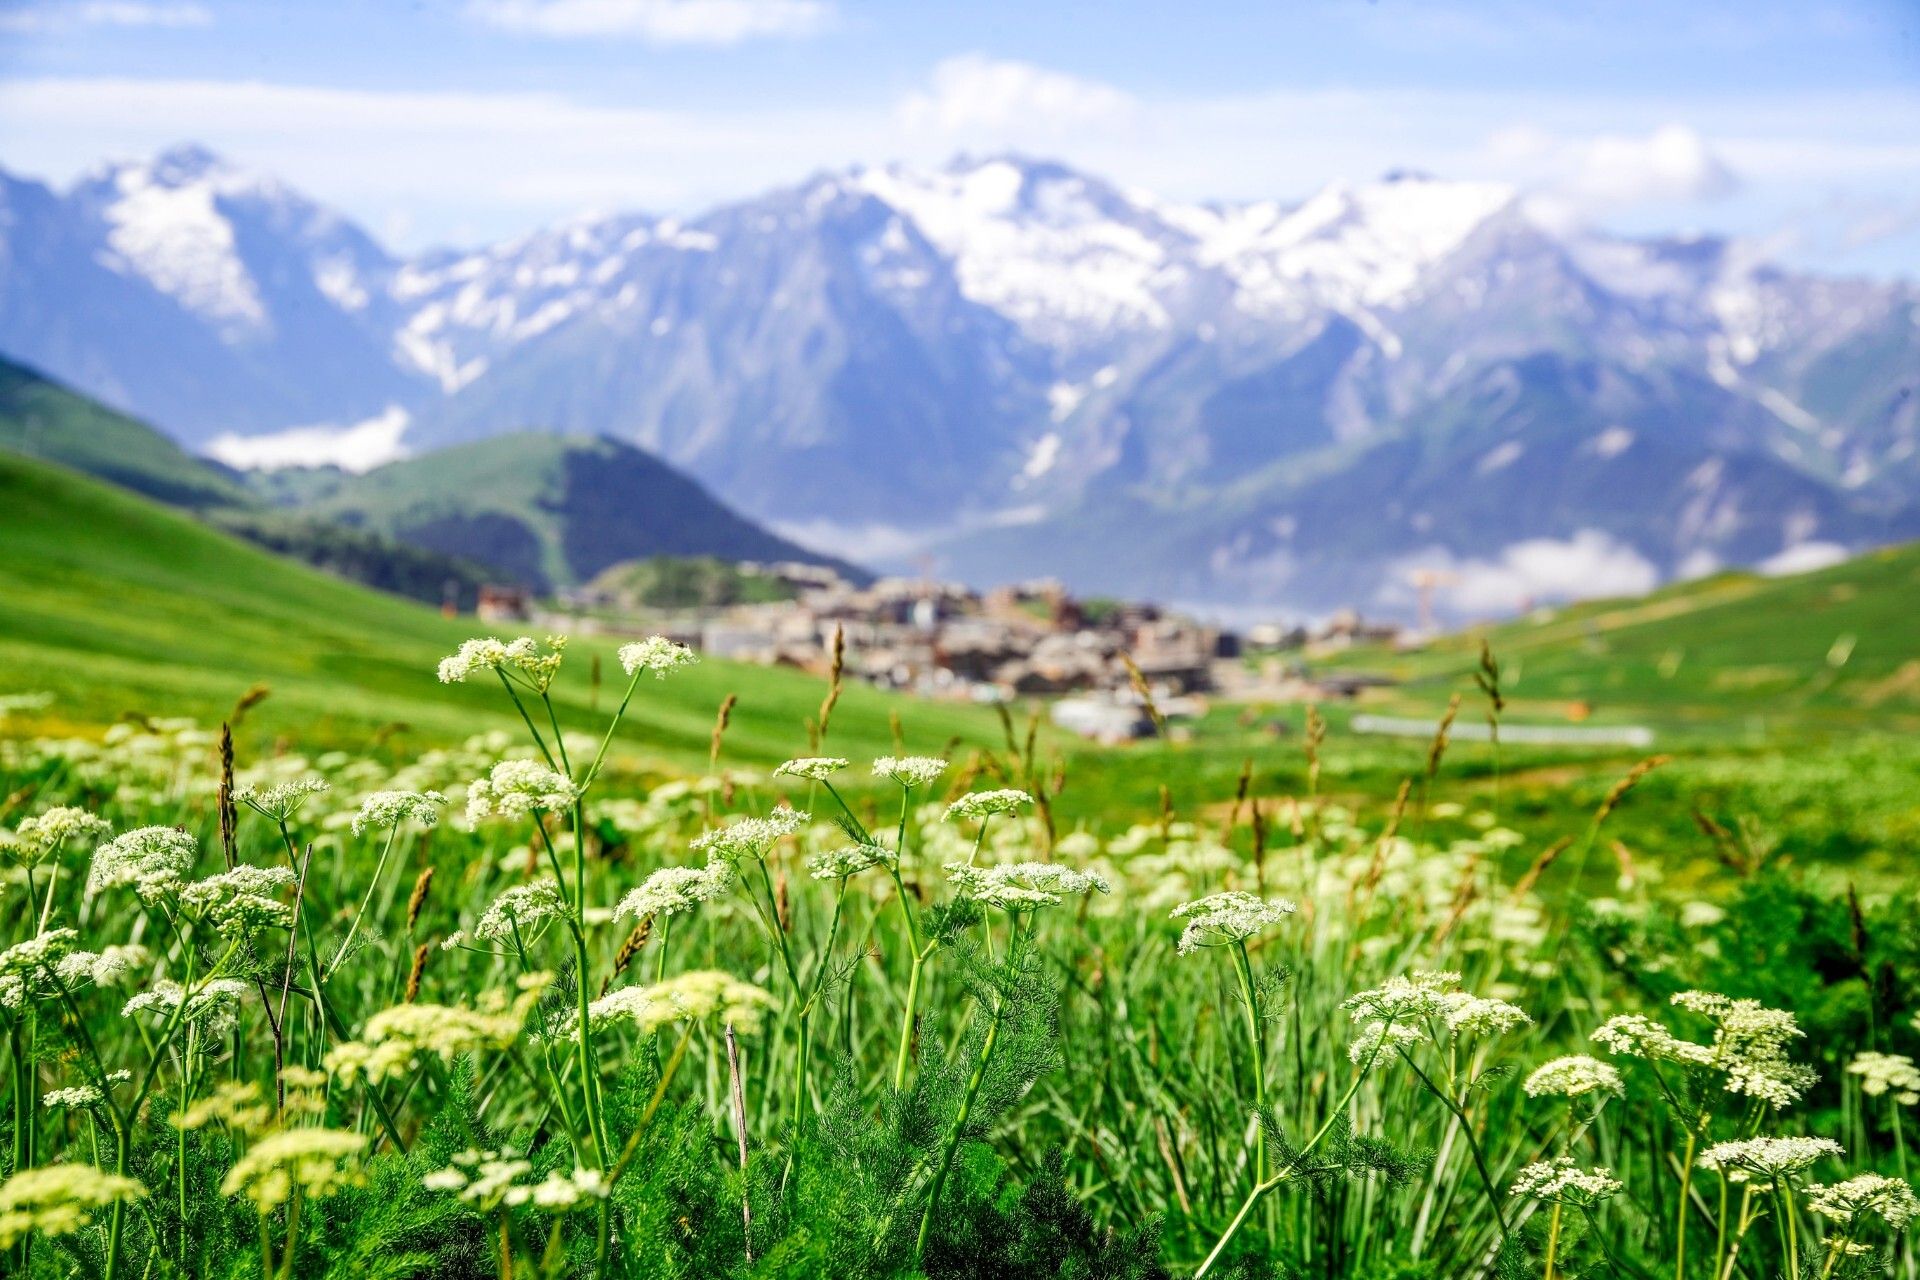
[(547, 510), (1737, 654), (114, 604), (43, 419)]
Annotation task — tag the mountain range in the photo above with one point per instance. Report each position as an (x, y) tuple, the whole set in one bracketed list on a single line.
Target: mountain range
[(1013, 368)]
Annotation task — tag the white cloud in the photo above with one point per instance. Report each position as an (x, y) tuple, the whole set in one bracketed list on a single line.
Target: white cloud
[(1590, 563), (1803, 557), (490, 163), (971, 93), (38, 19), (1580, 178), (359, 447), (714, 22)]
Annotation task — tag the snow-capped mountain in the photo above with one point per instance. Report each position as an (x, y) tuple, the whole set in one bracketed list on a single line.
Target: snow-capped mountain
[(1026, 369)]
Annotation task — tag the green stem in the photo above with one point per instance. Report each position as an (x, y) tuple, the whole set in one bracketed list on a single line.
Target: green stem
[(379, 867), (1256, 1040)]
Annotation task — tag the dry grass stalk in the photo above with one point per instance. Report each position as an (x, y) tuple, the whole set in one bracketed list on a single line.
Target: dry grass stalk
[(636, 939), (720, 722), (418, 898), (1438, 749), (1626, 784), (1524, 885), (834, 671), (1316, 734), (420, 954), (223, 798), (1379, 861), (253, 697), (1138, 680)]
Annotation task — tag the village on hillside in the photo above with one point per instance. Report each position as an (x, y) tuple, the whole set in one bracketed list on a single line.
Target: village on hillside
[(1090, 658)]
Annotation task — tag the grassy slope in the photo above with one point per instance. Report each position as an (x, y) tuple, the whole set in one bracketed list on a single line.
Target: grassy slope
[(581, 503), (114, 604), (1823, 653), (42, 419)]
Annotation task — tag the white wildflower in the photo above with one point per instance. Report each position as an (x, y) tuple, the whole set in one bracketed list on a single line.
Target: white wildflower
[(1223, 919), (242, 900), (671, 890), (517, 788), (749, 839), (486, 655), (1468, 1014), (698, 996), (39, 836), (1882, 1073), (656, 654), (28, 969), (1563, 1181), (1405, 998), (73, 1097), (281, 800), (1767, 1160), (213, 1006), (154, 860), (58, 1200), (107, 967), (909, 771), (395, 1038), (985, 804), (1378, 1039), (1574, 1076), (1638, 1036), (521, 907), (1891, 1199), (385, 809), (838, 864), (318, 1162), (1022, 886), (813, 768)]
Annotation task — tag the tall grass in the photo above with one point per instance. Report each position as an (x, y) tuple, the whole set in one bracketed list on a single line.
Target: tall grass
[(500, 1010)]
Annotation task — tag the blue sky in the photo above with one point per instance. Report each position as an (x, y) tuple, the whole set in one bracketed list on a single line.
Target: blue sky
[(1795, 123)]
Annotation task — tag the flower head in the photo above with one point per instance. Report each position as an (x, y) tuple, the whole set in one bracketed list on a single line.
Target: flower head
[(385, 809), (28, 969), (1573, 1076), (672, 890), (909, 771), (521, 908), (699, 996), (1882, 1073), (1468, 1014), (813, 768), (316, 1161), (1565, 1182), (59, 1200), (481, 655), (838, 864), (213, 1006), (73, 1097), (1022, 886), (1767, 1160), (1376, 1039), (243, 900), (516, 788), (281, 800), (1405, 998), (1890, 1199), (656, 654), (42, 835), (749, 839), (394, 1039), (490, 1180), (1224, 919), (154, 860), (985, 804)]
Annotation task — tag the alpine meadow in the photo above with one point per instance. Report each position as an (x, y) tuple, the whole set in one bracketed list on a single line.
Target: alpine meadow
[(852, 640)]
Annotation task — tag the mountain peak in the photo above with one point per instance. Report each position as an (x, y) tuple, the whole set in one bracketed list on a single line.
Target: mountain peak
[(187, 162)]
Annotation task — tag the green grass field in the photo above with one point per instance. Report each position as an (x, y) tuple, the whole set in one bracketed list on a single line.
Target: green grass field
[(117, 606)]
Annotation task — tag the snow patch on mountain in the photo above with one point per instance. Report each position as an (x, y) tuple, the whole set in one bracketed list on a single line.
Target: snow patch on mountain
[(179, 241)]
